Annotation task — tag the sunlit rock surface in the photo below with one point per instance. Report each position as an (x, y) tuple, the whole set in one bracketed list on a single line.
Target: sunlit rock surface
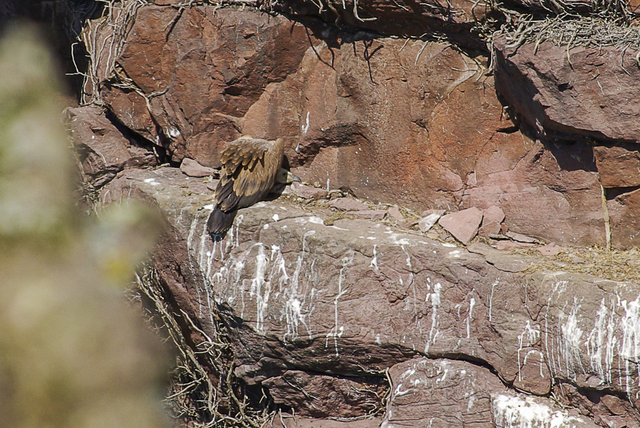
[(343, 303)]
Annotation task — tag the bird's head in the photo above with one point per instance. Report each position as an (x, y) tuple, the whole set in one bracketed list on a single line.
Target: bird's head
[(285, 177)]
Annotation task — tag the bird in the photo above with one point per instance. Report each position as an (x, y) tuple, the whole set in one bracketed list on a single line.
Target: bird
[(250, 168)]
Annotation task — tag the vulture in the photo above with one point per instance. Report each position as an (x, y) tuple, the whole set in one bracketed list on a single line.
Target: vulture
[(250, 168)]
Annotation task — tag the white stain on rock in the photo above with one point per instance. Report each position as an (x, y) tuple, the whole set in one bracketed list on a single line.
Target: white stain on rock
[(260, 289), (529, 337), (515, 412), (337, 332), (374, 259), (603, 346), (435, 299), (295, 300)]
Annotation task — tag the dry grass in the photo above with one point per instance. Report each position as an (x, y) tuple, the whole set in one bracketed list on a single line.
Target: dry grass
[(614, 265)]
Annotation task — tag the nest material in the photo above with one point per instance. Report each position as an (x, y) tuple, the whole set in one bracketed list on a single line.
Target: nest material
[(104, 39), (572, 31), (198, 396)]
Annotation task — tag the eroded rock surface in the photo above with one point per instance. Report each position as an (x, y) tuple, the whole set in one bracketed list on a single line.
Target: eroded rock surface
[(103, 150), (332, 307), (588, 92), (569, 96), (398, 121), (200, 77)]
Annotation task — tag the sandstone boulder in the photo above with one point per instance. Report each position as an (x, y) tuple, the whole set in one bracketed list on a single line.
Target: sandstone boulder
[(347, 204), (194, 169), (571, 94), (492, 219), (463, 225), (308, 192), (103, 150), (428, 222)]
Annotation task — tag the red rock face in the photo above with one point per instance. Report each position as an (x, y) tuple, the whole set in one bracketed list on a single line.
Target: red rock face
[(417, 132), (318, 313), (367, 124), (587, 94), (398, 121), (618, 166), (200, 74), (590, 92), (102, 149)]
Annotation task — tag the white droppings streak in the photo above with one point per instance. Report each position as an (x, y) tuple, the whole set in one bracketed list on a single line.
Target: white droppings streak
[(455, 253), (293, 308), (601, 343), (435, 304), (571, 340), (374, 259), (470, 403), (192, 232), (204, 239), (493, 286), (529, 337), (256, 290), (315, 220), (337, 332), (630, 351), (238, 222), (558, 287), (515, 412), (472, 303), (305, 127), (410, 283), (173, 132)]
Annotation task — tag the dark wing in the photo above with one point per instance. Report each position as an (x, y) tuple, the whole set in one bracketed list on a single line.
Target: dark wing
[(249, 167), (220, 221)]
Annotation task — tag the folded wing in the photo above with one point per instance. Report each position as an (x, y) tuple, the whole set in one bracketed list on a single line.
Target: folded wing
[(249, 168)]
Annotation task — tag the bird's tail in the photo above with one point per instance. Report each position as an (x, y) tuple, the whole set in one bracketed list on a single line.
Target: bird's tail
[(220, 221)]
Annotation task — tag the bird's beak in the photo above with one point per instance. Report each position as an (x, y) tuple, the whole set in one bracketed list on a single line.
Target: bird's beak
[(292, 178)]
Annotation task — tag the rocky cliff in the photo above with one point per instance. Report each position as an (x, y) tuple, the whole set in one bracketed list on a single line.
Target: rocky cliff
[(517, 120)]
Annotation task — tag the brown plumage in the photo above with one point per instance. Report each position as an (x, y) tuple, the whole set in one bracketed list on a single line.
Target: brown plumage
[(250, 167)]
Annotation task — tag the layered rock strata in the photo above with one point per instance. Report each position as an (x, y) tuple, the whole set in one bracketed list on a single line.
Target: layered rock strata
[(320, 312)]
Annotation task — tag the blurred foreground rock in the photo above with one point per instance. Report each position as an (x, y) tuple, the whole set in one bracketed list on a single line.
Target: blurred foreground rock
[(72, 351)]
